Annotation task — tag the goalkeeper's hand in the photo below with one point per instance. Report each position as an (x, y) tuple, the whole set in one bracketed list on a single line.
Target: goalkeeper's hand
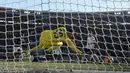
[(26, 54)]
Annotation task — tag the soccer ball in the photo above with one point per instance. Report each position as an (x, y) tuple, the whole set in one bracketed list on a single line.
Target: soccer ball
[(109, 59)]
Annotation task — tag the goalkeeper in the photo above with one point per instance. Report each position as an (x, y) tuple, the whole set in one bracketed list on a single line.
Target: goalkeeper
[(52, 39)]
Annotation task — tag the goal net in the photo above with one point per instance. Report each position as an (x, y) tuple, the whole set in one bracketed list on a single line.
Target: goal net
[(98, 28)]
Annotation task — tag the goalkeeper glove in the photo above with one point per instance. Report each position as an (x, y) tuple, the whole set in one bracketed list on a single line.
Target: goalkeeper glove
[(26, 54)]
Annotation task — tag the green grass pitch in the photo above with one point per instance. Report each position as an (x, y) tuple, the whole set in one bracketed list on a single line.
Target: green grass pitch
[(66, 66)]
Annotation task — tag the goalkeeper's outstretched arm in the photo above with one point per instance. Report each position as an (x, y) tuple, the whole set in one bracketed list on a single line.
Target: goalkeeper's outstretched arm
[(72, 46)]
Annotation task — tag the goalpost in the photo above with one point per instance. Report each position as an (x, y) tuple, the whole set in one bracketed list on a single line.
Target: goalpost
[(101, 29)]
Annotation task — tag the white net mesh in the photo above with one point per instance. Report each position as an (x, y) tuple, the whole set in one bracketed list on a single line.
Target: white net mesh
[(99, 28)]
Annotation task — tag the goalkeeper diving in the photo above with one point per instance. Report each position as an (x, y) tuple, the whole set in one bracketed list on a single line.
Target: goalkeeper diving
[(52, 39)]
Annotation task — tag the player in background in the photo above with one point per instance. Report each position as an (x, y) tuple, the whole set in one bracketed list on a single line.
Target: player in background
[(91, 44), (91, 41), (52, 39)]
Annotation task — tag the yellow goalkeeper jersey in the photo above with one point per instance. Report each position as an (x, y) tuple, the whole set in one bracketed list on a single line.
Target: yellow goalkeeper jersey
[(53, 39)]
